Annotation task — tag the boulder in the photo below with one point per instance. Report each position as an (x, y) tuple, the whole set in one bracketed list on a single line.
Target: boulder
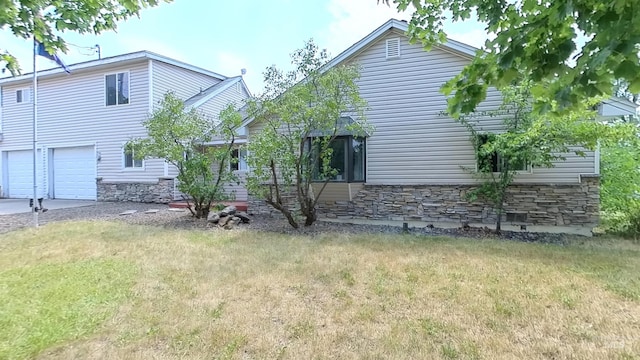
[(213, 217), (243, 216), (229, 210), (223, 220)]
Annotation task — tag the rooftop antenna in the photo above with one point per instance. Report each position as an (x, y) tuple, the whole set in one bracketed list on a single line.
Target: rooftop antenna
[(98, 51)]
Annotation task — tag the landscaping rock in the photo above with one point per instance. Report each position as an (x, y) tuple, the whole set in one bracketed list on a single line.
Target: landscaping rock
[(223, 220), (243, 216), (213, 217), (229, 210)]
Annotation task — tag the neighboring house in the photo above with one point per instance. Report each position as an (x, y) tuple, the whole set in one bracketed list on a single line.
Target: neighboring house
[(85, 118), (415, 166)]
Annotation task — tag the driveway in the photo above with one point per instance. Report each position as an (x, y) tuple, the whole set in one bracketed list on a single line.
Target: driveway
[(18, 206)]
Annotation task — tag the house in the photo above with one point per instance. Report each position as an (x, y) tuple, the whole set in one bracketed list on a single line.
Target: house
[(85, 118), (415, 166)]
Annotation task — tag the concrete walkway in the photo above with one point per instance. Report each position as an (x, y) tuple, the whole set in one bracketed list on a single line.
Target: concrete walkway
[(574, 230), (18, 206)]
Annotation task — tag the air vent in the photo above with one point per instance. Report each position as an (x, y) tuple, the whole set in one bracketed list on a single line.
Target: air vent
[(517, 217), (393, 48)]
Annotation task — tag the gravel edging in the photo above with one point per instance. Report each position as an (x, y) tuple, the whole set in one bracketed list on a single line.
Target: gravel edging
[(165, 217)]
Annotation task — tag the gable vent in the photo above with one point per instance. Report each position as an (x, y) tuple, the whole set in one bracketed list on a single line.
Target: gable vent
[(393, 48)]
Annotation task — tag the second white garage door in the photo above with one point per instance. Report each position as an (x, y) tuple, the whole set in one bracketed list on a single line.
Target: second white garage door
[(74, 173)]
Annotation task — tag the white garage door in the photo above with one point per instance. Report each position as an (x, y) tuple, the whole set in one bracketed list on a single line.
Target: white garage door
[(74, 173), (19, 168)]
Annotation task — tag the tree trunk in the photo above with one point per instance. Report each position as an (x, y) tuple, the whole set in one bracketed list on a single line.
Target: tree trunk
[(310, 217), (499, 210)]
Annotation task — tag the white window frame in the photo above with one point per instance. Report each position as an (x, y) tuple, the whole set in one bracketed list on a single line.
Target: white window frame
[(22, 96), (104, 87), (133, 160), (242, 160), (528, 168)]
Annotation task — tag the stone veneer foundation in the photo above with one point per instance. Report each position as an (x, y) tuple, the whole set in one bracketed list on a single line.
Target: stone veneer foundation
[(145, 192), (542, 204)]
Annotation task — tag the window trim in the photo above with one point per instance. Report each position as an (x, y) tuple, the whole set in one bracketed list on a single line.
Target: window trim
[(133, 160), (349, 159), (22, 97), (104, 87), (527, 170), (241, 154)]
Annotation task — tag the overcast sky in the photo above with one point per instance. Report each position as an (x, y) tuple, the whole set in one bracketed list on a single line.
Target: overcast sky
[(226, 36)]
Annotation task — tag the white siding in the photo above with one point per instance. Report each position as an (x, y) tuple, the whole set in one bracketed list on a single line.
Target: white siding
[(413, 143), (72, 112), (232, 95), (184, 83)]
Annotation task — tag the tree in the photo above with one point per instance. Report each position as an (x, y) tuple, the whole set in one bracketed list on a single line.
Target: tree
[(620, 184), (538, 39), (526, 139), (178, 135), (47, 18), (302, 112)]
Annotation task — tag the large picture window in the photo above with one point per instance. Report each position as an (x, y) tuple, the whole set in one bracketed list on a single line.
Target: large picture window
[(348, 158), (117, 88)]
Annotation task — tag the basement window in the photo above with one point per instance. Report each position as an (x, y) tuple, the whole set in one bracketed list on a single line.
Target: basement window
[(517, 217), (393, 48)]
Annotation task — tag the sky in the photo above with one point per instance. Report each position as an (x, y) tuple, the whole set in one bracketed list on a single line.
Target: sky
[(227, 36)]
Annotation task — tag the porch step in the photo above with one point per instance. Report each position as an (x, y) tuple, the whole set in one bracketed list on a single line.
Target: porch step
[(240, 205)]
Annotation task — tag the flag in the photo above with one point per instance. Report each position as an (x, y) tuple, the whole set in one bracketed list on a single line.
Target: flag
[(40, 50)]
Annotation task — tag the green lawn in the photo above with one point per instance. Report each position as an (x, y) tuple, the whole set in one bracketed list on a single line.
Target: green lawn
[(115, 291)]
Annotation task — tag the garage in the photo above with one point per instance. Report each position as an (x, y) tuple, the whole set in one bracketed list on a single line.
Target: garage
[(18, 166), (73, 171)]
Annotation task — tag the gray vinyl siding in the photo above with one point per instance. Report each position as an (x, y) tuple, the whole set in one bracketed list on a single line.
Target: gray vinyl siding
[(184, 83), (72, 112), (413, 143)]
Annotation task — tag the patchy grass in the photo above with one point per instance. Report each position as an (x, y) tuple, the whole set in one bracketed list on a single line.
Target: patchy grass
[(119, 291)]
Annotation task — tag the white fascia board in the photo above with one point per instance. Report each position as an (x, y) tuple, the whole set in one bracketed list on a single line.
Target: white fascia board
[(617, 107), (400, 26), (110, 61), (222, 142), (213, 94)]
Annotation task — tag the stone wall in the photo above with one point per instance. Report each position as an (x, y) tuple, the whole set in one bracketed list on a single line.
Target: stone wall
[(146, 192), (535, 204), (543, 204)]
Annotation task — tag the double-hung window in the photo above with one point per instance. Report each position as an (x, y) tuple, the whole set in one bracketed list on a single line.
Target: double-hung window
[(23, 96), (130, 160), (238, 160), (117, 89), (347, 160)]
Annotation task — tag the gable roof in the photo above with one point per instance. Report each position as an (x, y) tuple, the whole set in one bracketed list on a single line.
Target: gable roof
[(391, 25), (109, 61), (213, 91), (401, 26)]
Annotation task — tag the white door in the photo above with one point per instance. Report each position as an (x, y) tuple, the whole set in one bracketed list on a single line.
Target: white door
[(19, 180), (74, 173)]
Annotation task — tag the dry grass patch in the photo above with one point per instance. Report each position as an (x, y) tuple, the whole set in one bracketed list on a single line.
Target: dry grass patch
[(244, 294)]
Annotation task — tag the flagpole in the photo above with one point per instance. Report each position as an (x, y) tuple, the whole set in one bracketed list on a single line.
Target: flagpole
[(35, 116)]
